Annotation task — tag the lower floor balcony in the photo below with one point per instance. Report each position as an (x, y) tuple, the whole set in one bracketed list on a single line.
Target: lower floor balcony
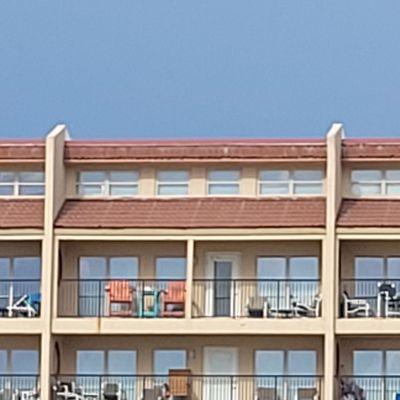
[(370, 387), (19, 387), (182, 384)]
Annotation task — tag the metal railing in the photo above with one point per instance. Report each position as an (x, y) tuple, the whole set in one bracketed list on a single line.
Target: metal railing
[(255, 298), (141, 298), (367, 291), (371, 387), (15, 385), (17, 295), (199, 387)]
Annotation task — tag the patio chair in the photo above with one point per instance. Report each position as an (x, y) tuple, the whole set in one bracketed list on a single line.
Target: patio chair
[(8, 394), (390, 298), (111, 391), (173, 300), (355, 307), (264, 393), (258, 307), (149, 303), (179, 383), (307, 394), (67, 391), (27, 305), (349, 390), (308, 310), (156, 393), (120, 296)]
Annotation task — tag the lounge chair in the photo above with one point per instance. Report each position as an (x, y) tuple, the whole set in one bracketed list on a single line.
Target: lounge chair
[(173, 300), (308, 310), (355, 307), (120, 296)]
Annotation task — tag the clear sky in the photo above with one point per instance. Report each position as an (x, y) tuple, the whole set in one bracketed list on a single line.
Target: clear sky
[(145, 69)]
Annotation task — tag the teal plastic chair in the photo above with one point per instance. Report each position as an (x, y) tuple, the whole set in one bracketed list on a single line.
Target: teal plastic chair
[(152, 296)]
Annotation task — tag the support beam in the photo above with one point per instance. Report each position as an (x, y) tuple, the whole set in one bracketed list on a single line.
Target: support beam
[(189, 277)]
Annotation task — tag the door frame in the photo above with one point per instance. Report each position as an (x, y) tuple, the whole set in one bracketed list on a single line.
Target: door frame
[(235, 259)]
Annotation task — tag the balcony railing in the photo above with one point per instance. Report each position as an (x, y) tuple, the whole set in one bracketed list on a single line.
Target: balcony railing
[(371, 387), (199, 387), (24, 387), (256, 298), (122, 298), (370, 298), (20, 298)]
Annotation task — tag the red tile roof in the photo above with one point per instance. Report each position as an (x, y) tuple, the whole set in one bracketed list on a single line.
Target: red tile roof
[(365, 149), (193, 213), (211, 150), (21, 213), (369, 213), (22, 151)]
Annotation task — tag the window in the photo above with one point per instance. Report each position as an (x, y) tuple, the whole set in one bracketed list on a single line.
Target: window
[(172, 183), (284, 182), (16, 362), (283, 279), (21, 183), (106, 362), (223, 182), (108, 183), (375, 182), (164, 360), (171, 268)]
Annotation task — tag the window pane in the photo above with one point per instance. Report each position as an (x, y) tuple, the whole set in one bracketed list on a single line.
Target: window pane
[(92, 268), (90, 362), (7, 177), (393, 189), (173, 190), (6, 190), (164, 360), (367, 362), (3, 361), (5, 268), (25, 362), (218, 189), (121, 362), (366, 175), (124, 267), (37, 177), (269, 362), (367, 189), (274, 175), (27, 267), (302, 362), (31, 190), (224, 176), (124, 176), (171, 268), (274, 188), (90, 189), (92, 177), (271, 268), (173, 176), (307, 188), (369, 268), (123, 190), (308, 175), (393, 362), (393, 175), (303, 268), (393, 265)]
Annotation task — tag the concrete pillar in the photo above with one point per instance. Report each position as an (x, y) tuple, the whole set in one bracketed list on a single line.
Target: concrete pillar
[(189, 277)]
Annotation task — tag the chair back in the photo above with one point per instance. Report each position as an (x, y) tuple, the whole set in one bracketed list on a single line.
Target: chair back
[(179, 382), (110, 389), (267, 394), (306, 394), (120, 291), (175, 292)]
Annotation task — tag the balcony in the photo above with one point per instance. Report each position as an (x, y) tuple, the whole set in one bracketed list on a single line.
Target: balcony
[(23, 387), (370, 387), (237, 298), (183, 385), (20, 298), (87, 298), (363, 298)]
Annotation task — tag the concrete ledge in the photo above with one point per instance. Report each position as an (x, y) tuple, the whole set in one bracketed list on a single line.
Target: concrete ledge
[(368, 326)]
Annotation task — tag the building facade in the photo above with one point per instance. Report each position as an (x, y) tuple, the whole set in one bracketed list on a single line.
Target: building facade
[(209, 270)]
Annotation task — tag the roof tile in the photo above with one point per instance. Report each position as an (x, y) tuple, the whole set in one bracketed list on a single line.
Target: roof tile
[(21, 213)]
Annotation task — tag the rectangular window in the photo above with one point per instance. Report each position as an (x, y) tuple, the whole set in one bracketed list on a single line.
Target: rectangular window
[(171, 268), (164, 360), (172, 183), (21, 183), (285, 182), (368, 182), (108, 183), (19, 362), (223, 182)]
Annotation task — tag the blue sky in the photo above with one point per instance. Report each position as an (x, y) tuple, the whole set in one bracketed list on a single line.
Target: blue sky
[(143, 69)]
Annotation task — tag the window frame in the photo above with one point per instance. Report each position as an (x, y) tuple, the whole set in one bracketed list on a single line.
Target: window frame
[(185, 184), (106, 185), (223, 183), (16, 184), (383, 183), (291, 183)]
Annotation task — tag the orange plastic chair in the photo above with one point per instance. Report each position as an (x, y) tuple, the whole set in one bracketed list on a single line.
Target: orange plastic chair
[(174, 300), (120, 296)]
